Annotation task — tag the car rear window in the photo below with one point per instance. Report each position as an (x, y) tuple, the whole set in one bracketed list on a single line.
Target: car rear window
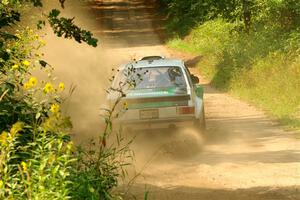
[(155, 77)]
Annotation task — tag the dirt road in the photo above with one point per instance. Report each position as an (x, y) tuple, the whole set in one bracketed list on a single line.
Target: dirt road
[(245, 155)]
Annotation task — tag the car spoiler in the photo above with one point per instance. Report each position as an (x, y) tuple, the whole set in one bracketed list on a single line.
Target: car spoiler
[(158, 99)]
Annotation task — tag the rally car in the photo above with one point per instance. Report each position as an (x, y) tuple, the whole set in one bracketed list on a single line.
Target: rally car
[(160, 93)]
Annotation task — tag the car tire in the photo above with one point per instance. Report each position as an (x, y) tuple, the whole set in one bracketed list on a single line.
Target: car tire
[(200, 123)]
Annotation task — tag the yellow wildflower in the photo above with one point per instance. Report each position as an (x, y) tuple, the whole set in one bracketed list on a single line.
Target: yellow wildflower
[(33, 81), (48, 124), (42, 42), (27, 86), (70, 145), (17, 127), (18, 35), (3, 137), (24, 166), (51, 159), (125, 105), (61, 86), (1, 184), (26, 63), (54, 108), (15, 67), (48, 88)]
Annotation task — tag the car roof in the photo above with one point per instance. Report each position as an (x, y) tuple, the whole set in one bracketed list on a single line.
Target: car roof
[(163, 62)]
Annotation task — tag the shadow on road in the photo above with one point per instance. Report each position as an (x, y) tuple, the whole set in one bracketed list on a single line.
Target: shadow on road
[(283, 156), (191, 193), (123, 23)]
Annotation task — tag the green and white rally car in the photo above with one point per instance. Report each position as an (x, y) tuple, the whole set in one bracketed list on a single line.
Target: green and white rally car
[(163, 94)]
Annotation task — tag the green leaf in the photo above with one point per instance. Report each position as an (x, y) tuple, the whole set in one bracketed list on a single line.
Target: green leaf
[(43, 63), (8, 17), (62, 3), (8, 36), (37, 3), (146, 195), (93, 42), (54, 171), (54, 13), (38, 115), (40, 24), (65, 27)]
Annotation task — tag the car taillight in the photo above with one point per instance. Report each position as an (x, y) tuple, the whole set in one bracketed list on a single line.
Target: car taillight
[(185, 110)]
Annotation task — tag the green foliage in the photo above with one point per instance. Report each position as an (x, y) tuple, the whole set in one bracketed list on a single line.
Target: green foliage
[(250, 48), (272, 83), (261, 66), (99, 170), (44, 170), (184, 15), (65, 27), (37, 159), (10, 14), (211, 37), (100, 167)]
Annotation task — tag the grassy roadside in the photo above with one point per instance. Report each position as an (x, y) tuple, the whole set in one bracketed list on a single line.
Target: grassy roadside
[(262, 67), (38, 160)]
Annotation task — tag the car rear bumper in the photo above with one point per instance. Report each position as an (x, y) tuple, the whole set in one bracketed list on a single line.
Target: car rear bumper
[(157, 123)]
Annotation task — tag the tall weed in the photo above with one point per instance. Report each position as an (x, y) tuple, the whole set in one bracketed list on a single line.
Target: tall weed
[(261, 66), (38, 160), (35, 158)]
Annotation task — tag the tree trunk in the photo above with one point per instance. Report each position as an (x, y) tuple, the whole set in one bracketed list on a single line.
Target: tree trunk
[(246, 14)]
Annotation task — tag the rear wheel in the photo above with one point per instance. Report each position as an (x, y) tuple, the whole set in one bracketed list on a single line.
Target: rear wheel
[(200, 123)]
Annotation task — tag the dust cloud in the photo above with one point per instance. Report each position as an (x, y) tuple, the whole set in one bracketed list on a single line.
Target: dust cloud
[(159, 146), (88, 70), (85, 68), (244, 149)]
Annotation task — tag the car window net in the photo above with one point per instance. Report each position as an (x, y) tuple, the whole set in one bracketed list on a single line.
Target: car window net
[(154, 77)]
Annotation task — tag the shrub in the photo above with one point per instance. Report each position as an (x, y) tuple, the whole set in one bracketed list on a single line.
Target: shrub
[(35, 157), (261, 66)]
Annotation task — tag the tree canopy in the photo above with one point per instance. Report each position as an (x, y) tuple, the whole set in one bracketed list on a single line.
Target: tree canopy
[(251, 12)]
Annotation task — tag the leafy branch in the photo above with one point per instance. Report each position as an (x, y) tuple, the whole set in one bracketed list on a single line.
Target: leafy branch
[(62, 27), (65, 27)]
